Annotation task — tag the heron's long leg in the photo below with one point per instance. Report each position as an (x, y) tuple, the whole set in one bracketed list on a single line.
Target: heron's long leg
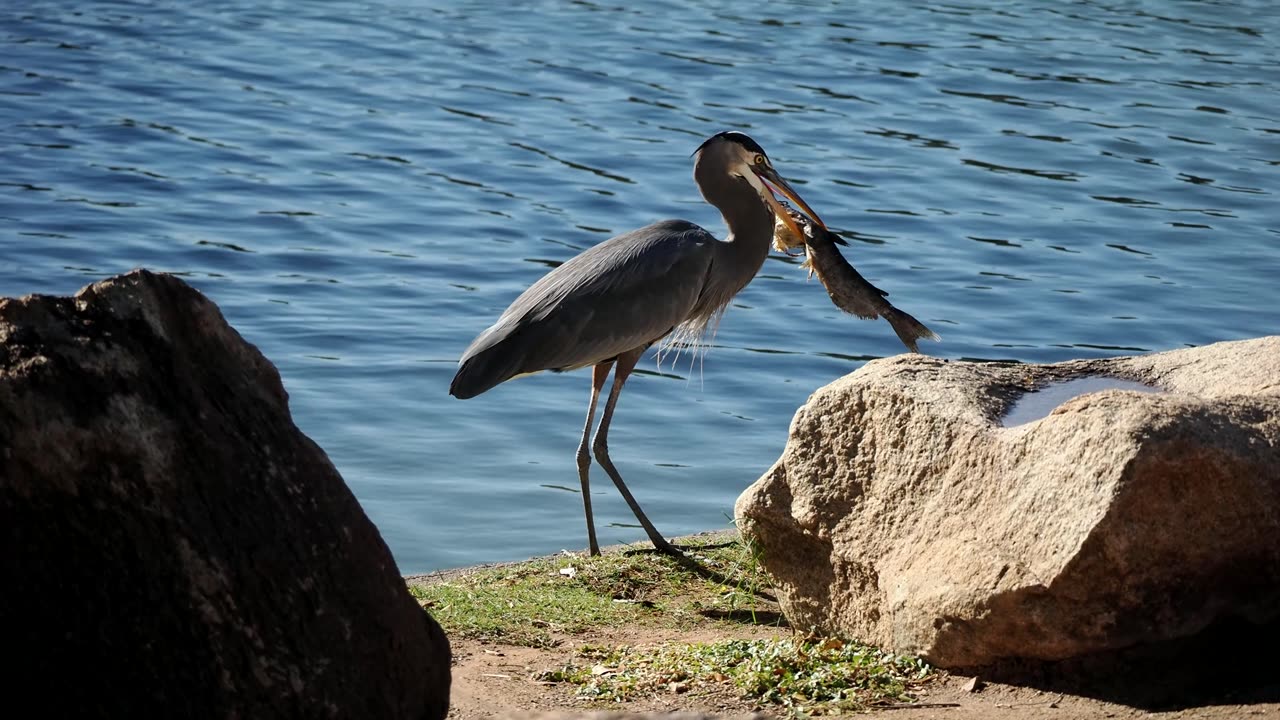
[(626, 363), (598, 375)]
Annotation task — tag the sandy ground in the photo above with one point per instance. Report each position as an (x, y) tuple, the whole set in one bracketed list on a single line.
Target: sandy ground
[(498, 681), (494, 680)]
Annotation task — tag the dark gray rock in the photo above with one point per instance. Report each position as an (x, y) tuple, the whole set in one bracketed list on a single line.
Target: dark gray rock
[(173, 546)]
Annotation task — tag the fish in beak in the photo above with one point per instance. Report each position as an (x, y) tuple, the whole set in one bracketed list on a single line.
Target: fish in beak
[(774, 182)]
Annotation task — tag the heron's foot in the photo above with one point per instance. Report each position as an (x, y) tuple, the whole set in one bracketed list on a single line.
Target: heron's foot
[(661, 546), (667, 548)]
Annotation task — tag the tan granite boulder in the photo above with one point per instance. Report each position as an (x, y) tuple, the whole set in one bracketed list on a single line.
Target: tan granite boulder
[(904, 512)]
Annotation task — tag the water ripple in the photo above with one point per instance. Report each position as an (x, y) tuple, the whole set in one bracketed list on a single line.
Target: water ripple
[(362, 188)]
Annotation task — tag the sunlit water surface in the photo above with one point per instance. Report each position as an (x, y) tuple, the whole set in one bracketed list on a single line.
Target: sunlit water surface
[(363, 187)]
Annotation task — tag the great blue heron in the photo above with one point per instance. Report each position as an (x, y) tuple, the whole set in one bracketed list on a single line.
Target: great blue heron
[(606, 306)]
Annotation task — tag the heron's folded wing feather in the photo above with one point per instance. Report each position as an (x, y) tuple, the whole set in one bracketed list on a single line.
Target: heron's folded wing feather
[(624, 293)]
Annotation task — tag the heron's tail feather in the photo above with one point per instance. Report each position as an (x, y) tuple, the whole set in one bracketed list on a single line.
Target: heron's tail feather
[(482, 368), (469, 380)]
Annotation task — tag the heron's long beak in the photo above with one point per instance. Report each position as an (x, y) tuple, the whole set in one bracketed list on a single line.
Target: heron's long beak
[(774, 181)]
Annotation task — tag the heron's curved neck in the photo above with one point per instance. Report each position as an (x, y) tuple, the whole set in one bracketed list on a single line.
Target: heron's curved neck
[(750, 224)]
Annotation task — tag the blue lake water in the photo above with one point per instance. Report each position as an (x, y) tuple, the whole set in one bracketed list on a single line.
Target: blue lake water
[(363, 187)]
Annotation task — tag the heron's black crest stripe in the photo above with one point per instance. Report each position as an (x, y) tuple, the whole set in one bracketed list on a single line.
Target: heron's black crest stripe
[(734, 136)]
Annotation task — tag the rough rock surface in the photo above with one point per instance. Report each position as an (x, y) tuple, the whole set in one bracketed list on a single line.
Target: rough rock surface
[(173, 546), (903, 513)]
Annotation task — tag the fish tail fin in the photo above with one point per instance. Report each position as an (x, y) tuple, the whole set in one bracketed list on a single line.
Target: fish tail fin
[(908, 328)]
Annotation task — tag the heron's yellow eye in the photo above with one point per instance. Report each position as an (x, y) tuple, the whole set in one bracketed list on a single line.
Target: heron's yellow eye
[(760, 160)]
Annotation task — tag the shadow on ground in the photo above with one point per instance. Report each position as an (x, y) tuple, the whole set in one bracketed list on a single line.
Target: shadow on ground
[(747, 616), (1231, 662)]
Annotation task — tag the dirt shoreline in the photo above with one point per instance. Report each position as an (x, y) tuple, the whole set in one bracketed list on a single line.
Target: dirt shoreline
[(492, 680), (706, 537)]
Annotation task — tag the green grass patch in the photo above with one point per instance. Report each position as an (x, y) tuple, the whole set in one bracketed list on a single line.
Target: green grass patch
[(515, 610), (537, 603), (527, 603), (808, 676)]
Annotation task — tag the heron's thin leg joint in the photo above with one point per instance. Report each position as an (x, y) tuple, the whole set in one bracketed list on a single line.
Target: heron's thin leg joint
[(600, 444), (598, 375)]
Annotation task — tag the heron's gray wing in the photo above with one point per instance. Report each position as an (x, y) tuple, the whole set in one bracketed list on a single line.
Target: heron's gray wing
[(624, 293)]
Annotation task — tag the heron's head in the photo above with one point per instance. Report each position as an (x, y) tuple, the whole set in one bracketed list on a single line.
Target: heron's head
[(735, 155)]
